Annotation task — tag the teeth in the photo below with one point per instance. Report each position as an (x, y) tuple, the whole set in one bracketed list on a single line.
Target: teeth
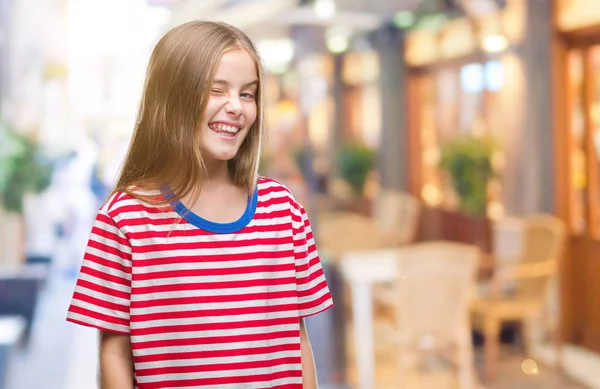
[(225, 128)]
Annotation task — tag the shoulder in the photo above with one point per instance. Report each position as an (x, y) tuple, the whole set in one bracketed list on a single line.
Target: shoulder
[(120, 204), (271, 184), (271, 189)]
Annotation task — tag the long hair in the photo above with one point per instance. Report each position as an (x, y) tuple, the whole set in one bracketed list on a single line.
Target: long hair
[(165, 146)]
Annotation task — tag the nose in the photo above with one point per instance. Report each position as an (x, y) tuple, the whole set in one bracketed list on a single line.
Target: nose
[(234, 106)]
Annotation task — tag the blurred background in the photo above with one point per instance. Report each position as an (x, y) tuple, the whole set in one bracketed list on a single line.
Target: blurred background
[(448, 152)]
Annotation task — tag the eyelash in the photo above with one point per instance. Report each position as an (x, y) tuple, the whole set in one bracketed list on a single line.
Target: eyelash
[(249, 96)]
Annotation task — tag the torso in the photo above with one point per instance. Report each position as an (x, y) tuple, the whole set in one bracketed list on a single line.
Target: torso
[(215, 307)]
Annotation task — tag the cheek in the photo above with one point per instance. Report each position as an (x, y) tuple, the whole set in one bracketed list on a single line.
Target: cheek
[(251, 112), (212, 107)]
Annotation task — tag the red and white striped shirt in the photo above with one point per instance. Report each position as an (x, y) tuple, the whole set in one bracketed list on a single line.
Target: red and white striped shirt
[(206, 304)]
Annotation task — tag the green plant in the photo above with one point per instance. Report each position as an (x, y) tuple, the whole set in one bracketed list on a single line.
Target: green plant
[(24, 168), (354, 163), (468, 162)]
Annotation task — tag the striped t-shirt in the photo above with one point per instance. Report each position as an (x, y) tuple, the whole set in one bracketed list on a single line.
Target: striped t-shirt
[(206, 304)]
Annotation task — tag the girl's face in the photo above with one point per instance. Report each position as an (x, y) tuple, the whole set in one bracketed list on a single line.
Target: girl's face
[(231, 108)]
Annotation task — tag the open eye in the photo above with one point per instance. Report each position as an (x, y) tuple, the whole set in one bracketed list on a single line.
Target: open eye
[(247, 96)]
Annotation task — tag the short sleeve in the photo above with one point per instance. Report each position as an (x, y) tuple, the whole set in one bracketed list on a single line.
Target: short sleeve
[(313, 292), (102, 293)]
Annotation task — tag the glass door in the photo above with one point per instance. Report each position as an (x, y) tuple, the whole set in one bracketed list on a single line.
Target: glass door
[(584, 122), (578, 153), (593, 121)]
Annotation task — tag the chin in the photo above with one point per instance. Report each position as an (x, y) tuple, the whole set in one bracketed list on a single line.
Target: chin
[(221, 155)]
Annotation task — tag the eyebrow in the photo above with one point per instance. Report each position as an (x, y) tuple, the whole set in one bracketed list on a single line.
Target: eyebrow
[(225, 82)]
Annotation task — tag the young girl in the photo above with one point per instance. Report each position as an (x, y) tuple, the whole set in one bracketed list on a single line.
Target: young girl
[(198, 273)]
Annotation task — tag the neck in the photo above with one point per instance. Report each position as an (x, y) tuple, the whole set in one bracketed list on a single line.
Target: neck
[(217, 173)]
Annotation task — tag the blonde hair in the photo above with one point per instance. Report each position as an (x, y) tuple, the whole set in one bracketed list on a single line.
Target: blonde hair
[(165, 146)]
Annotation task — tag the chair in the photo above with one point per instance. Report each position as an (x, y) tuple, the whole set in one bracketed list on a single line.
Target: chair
[(394, 223), (339, 232), (435, 286), (397, 214), (529, 279)]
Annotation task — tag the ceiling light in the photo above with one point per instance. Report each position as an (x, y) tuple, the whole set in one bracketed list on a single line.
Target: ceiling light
[(324, 9), (338, 43), (276, 54), (337, 38), (495, 43)]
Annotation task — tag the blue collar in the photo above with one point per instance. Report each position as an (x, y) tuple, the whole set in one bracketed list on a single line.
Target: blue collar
[(207, 225)]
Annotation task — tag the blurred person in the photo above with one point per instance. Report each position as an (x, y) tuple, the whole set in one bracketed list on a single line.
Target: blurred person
[(74, 205), (198, 272)]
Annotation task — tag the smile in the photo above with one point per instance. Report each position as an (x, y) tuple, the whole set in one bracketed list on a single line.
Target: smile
[(224, 130)]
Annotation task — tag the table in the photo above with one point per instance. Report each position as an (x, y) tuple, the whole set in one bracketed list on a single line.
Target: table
[(361, 269)]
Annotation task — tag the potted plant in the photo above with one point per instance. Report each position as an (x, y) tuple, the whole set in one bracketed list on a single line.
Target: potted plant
[(24, 169), (467, 161), (355, 162)]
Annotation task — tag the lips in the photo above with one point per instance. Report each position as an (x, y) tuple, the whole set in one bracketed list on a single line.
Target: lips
[(229, 130)]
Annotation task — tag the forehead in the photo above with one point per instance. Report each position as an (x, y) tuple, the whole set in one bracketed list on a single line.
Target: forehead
[(237, 66)]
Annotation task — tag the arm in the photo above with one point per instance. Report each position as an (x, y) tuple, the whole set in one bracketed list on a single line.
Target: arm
[(528, 270), (309, 372), (521, 270), (116, 361)]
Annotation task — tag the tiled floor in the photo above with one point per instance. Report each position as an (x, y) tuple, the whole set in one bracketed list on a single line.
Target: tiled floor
[(63, 356), (511, 376), (511, 373)]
